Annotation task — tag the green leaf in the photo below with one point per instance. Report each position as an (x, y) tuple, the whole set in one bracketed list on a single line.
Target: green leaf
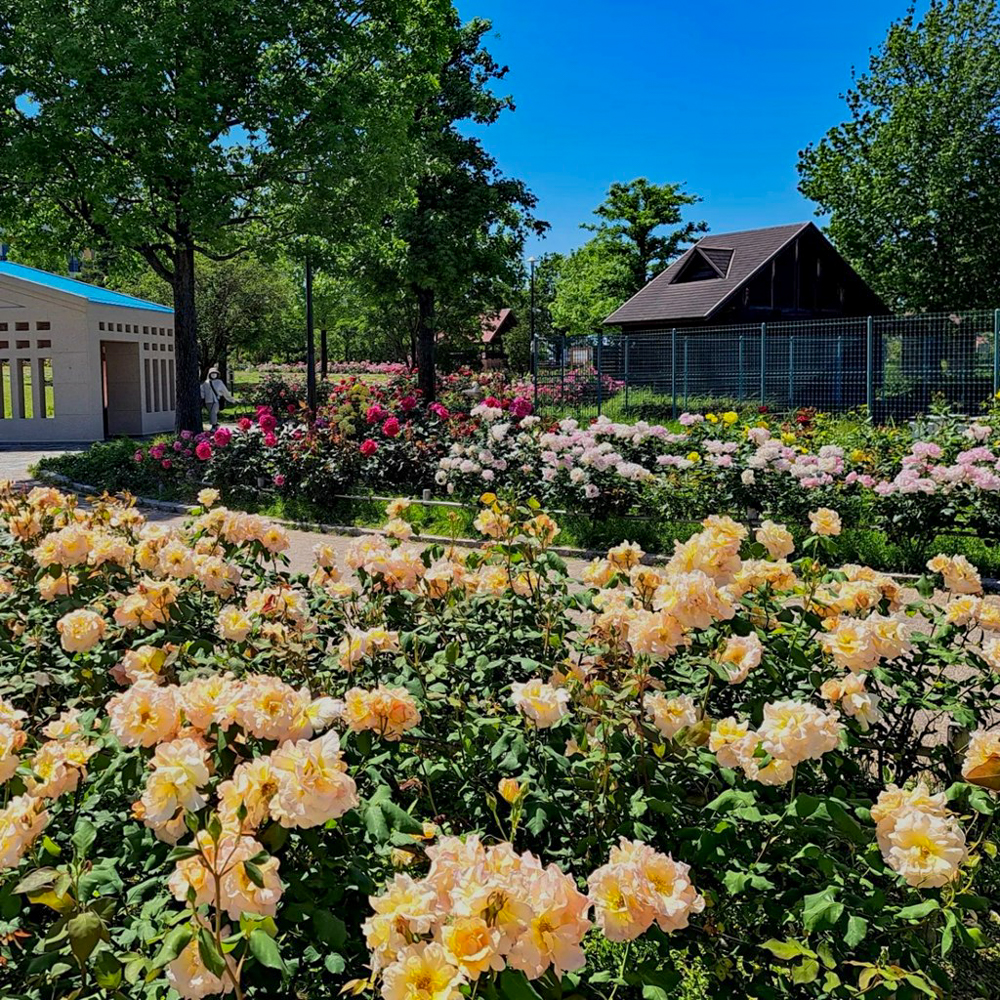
[(264, 948), (918, 910), (107, 971), (787, 950), (209, 953), (807, 972), (84, 931), (173, 944), (857, 929), (515, 986), (331, 930), (83, 837), (40, 878), (254, 874), (846, 823), (821, 910)]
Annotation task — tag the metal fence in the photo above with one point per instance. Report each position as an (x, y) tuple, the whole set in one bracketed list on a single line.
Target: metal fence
[(896, 366)]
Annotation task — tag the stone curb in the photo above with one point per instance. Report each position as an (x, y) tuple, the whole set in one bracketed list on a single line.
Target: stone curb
[(315, 527)]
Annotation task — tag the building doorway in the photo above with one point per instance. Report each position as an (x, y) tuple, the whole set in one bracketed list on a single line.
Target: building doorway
[(121, 387)]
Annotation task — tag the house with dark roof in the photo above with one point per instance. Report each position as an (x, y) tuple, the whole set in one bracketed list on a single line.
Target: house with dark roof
[(79, 362), (782, 296), (757, 275), (493, 326)]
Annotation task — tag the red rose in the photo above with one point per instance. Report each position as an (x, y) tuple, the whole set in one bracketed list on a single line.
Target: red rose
[(391, 427), (368, 447), (203, 451)]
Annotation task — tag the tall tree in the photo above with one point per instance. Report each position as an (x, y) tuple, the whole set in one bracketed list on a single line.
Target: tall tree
[(593, 281), (911, 180), (177, 128), (632, 216), (463, 234)]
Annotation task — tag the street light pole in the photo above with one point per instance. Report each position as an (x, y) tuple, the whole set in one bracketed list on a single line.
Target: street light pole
[(310, 344), (534, 339)]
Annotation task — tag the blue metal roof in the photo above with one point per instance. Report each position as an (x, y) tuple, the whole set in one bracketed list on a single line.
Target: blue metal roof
[(92, 293)]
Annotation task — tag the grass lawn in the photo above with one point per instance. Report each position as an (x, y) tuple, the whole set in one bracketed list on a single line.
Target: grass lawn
[(28, 374)]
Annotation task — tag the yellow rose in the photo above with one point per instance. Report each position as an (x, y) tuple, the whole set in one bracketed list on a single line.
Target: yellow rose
[(509, 789), (730, 417), (711, 418), (693, 456)]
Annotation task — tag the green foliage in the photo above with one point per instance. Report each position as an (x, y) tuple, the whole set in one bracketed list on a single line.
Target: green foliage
[(628, 250), (169, 131), (909, 180)]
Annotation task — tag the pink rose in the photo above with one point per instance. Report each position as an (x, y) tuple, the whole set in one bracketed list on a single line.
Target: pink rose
[(270, 440), (203, 451), (374, 414), (138, 456), (521, 407), (186, 435), (244, 423), (440, 410), (222, 436), (368, 447), (279, 480), (178, 446), (391, 427), (267, 422), (408, 402), (166, 463)]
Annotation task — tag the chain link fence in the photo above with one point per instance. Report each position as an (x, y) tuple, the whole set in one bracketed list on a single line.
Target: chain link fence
[(896, 366)]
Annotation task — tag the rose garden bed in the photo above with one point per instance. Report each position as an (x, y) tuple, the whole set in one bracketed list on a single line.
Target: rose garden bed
[(433, 773)]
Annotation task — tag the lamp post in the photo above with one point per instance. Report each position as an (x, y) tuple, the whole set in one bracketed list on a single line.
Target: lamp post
[(310, 344), (534, 339)]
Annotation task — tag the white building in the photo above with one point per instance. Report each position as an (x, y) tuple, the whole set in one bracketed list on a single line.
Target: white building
[(79, 362)]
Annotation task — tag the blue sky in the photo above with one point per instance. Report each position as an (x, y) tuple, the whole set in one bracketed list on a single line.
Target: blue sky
[(720, 96)]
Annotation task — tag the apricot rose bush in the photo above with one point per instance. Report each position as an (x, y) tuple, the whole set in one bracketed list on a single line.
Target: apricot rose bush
[(441, 772)]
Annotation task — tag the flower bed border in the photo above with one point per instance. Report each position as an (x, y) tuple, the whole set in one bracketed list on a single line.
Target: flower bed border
[(990, 584)]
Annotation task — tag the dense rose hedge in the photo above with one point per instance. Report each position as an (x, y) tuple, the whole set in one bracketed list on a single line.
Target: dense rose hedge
[(433, 773)]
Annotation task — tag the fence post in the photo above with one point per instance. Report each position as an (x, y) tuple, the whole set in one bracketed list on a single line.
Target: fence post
[(673, 370), (996, 353), (625, 341), (600, 337), (562, 369), (791, 370), (741, 367), (870, 367), (763, 363), (534, 366), (685, 371)]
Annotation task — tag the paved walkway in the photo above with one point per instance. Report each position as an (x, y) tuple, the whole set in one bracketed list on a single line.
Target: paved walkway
[(14, 465)]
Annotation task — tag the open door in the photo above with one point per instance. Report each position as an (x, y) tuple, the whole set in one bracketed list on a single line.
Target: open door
[(122, 388)]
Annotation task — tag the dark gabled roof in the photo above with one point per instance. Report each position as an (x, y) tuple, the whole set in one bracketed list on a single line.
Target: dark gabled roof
[(492, 324), (736, 256)]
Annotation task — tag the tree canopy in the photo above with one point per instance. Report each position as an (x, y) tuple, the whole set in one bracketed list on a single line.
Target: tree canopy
[(176, 129), (911, 179), (631, 246)]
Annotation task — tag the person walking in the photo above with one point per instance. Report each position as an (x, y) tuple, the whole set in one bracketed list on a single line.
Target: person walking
[(213, 391)]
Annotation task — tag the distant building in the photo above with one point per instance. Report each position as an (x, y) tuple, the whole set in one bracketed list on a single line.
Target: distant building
[(779, 273), (780, 296), (79, 362), (493, 327)]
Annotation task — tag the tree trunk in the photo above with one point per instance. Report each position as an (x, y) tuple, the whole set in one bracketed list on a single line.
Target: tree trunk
[(186, 350), (323, 353), (425, 343)]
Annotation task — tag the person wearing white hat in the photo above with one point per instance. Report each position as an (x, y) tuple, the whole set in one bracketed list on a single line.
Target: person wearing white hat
[(213, 391)]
